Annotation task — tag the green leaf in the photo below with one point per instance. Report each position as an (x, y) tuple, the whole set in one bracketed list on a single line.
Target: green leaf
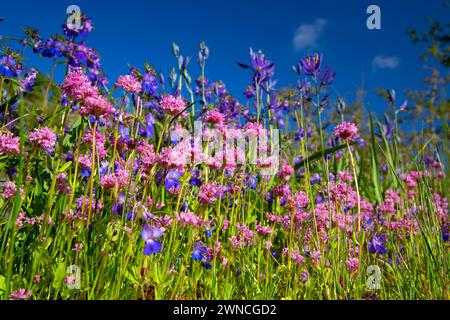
[(37, 187), (374, 159), (65, 166), (2, 282), (59, 275)]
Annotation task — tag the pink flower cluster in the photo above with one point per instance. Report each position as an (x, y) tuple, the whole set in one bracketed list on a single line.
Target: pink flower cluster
[(263, 230), (215, 117), (100, 141), (245, 237), (22, 219), (286, 171), (21, 294), (209, 192), (352, 264), (129, 83), (44, 138), (173, 105), (346, 131), (108, 181), (61, 183), (253, 129), (188, 218), (301, 199), (9, 144), (147, 158), (77, 86), (9, 189)]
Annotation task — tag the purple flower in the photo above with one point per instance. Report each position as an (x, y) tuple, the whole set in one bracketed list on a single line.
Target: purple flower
[(195, 179), (199, 251), (9, 67), (311, 64), (86, 27), (315, 178), (328, 76), (172, 180), (249, 92), (263, 69), (117, 208), (52, 48), (28, 82), (304, 276), (149, 83), (149, 235), (148, 130), (201, 254), (445, 234), (376, 244), (386, 129)]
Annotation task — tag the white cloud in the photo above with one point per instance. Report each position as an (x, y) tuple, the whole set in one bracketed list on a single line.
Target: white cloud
[(385, 62), (307, 34)]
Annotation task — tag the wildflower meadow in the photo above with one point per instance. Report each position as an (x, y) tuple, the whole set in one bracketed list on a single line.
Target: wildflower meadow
[(168, 186)]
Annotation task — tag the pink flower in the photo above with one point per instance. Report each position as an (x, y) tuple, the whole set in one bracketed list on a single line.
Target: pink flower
[(9, 189), (20, 294), (214, 117), (346, 131), (108, 181), (172, 105), (85, 161), (209, 192), (122, 178), (129, 83), (99, 137), (70, 279), (254, 129), (9, 144), (301, 199), (315, 256), (352, 264), (297, 257), (188, 218), (96, 105), (286, 171), (344, 176), (44, 138), (148, 157), (77, 86), (263, 230), (22, 219)]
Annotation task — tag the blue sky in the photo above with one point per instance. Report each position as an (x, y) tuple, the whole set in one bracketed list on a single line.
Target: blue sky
[(132, 32)]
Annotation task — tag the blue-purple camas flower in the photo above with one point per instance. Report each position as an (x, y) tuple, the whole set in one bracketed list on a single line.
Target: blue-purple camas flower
[(311, 64), (327, 76), (263, 69)]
